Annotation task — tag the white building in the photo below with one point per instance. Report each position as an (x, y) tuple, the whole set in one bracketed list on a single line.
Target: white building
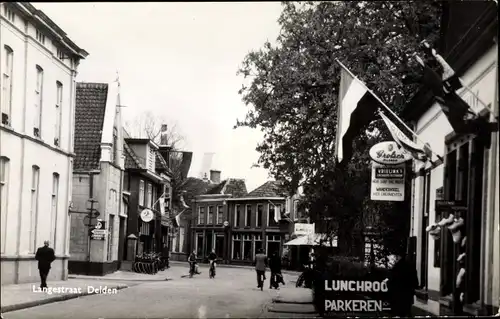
[(469, 174), (38, 68)]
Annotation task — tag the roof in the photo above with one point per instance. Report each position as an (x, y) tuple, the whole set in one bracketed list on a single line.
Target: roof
[(40, 20), (269, 189), (231, 186), (89, 119), (131, 159)]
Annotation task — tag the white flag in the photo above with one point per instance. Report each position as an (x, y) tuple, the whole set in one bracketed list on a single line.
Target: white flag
[(277, 213), (162, 204)]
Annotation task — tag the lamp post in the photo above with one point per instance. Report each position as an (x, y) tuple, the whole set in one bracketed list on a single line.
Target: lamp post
[(92, 205)]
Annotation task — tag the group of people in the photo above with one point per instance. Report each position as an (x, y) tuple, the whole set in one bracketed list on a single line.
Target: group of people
[(274, 263)]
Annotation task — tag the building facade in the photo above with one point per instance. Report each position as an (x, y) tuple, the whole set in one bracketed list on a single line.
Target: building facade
[(468, 257), (38, 66), (97, 180), (147, 183)]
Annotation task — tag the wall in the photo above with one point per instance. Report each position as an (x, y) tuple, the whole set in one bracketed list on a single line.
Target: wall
[(24, 150)]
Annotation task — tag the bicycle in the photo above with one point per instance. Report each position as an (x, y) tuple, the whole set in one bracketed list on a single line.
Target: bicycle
[(211, 271), (305, 278)]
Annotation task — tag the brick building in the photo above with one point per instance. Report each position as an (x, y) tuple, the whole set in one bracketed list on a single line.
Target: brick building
[(97, 177)]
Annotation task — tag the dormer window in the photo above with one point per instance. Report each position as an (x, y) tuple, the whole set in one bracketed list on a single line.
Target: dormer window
[(151, 159)]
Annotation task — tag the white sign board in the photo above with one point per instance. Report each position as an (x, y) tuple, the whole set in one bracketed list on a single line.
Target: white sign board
[(303, 229), (99, 234), (389, 153), (147, 215), (388, 182)]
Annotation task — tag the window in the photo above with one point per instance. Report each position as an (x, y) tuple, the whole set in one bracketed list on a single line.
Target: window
[(236, 253), (257, 244), (60, 54), (247, 247), (11, 16), (35, 179), (149, 195), (111, 224), (57, 129), (53, 213), (248, 216), (7, 85), (295, 210), (272, 211), (141, 193), (210, 215), (426, 185), (199, 245), (237, 215), (219, 245), (258, 222), (463, 181), (37, 115), (4, 180), (273, 244), (201, 215), (151, 159), (220, 215), (40, 37)]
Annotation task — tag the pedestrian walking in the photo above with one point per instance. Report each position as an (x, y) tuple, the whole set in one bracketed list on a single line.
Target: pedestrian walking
[(260, 268), (45, 256), (275, 267), (402, 283)]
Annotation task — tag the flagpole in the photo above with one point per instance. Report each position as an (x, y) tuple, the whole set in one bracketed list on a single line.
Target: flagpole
[(158, 199), (384, 105)]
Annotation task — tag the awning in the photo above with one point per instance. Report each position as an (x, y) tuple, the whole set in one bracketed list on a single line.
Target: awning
[(311, 240)]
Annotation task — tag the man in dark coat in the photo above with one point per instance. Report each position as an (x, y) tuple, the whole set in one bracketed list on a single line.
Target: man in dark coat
[(402, 283), (275, 267), (45, 256)]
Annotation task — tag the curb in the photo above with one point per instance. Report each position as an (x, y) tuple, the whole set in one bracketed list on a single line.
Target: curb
[(36, 303), (289, 272), (119, 279), (277, 300)]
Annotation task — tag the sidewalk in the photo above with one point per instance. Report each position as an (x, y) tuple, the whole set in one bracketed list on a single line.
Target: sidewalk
[(291, 302), (168, 274), (16, 297)]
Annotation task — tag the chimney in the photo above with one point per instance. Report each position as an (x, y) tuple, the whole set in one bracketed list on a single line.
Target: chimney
[(164, 135), (215, 176)]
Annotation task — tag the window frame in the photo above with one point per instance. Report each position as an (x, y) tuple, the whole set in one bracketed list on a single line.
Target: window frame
[(220, 215), (37, 125), (58, 123), (54, 208), (210, 215), (258, 216), (7, 90), (201, 215), (4, 195), (149, 195), (237, 215), (248, 215), (142, 188), (35, 195)]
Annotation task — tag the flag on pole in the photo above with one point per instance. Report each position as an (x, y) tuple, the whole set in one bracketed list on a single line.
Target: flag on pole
[(161, 200), (277, 213), (419, 152), (356, 109), (183, 202), (177, 219)]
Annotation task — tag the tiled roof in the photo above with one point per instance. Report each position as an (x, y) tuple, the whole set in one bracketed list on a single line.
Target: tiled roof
[(131, 159), (231, 186), (236, 187), (89, 120), (269, 189)]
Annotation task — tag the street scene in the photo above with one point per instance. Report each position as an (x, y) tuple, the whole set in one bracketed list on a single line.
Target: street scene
[(249, 159)]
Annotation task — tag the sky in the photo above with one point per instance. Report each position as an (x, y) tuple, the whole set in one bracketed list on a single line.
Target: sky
[(179, 61)]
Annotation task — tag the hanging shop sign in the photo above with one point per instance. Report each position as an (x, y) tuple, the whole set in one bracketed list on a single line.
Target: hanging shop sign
[(99, 232), (388, 182), (389, 153), (147, 215), (350, 296), (301, 229)]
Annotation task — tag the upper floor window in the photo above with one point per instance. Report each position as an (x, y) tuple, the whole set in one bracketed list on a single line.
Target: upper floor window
[(151, 160), (53, 215), (60, 54), (237, 215), (248, 215), (220, 215), (201, 215), (7, 84), (57, 128), (37, 114), (40, 37), (149, 195), (260, 211), (141, 193), (11, 16), (35, 179), (210, 215)]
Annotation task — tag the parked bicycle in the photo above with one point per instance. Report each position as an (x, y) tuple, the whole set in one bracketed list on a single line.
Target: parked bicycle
[(149, 263)]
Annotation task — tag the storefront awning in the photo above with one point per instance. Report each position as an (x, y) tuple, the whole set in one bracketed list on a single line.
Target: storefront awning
[(311, 240)]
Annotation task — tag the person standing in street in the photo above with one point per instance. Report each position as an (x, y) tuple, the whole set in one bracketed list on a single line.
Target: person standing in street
[(402, 283), (45, 256), (260, 268), (275, 267)]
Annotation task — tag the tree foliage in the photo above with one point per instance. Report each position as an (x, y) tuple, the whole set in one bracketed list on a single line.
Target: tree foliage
[(293, 93)]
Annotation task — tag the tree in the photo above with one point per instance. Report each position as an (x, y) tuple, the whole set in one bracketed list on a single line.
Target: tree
[(293, 95)]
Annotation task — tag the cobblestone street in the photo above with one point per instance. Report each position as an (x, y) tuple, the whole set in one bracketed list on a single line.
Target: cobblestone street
[(232, 294)]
